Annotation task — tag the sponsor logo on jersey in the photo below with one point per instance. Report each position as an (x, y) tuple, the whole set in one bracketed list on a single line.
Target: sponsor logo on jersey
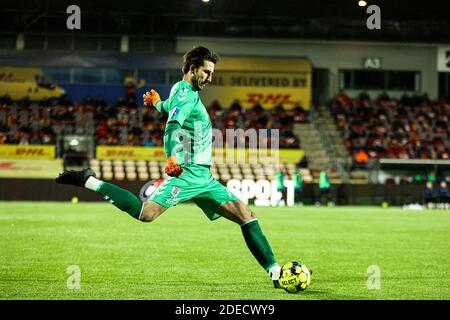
[(175, 191), (174, 112), (174, 199)]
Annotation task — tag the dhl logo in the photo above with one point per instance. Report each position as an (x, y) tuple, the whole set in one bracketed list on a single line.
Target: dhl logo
[(269, 98), (29, 152), (159, 154), (120, 153), (134, 153)]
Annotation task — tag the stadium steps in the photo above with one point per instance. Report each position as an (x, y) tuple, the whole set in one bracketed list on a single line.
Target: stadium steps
[(329, 127), (335, 136), (312, 145)]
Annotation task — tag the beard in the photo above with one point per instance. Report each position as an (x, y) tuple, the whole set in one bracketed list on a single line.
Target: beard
[(197, 83)]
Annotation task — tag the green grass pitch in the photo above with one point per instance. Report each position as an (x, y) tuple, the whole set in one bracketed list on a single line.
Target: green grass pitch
[(183, 255)]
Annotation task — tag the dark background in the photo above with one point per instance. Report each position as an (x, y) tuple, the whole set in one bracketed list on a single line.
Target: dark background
[(422, 21)]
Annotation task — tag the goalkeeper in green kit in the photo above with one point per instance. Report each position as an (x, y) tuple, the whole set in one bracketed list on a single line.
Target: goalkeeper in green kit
[(188, 148)]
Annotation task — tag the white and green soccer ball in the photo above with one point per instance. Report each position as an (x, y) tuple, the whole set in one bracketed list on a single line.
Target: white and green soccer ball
[(294, 277)]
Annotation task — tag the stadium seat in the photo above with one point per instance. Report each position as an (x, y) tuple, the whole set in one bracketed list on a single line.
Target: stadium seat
[(118, 163), (290, 166), (130, 170), (141, 163), (153, 163), (118, 169), (246, 169), (142, 170), (155, 175), (155, 169), (131, 176), (143, 176), (235, 170), (129, 163), (119, 175), (107, 175), (106, 162), (106, 169)]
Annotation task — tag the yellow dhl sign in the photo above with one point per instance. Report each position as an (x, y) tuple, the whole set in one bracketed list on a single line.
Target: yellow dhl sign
[(249, 96), (27, 152), (267, 156), (31, 168), (219, 155), (269, 81), (130, 153)]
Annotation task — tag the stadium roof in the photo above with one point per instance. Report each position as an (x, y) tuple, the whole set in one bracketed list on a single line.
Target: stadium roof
[(414, 21)]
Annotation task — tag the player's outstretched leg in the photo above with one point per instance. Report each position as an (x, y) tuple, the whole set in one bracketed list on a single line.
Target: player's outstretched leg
[(256, 241), (121, 198)]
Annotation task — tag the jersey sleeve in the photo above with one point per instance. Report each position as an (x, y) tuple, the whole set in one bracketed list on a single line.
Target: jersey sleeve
[(181, 108), (162, 107)]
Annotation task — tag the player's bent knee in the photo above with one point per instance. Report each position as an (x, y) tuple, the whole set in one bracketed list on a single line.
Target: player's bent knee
[(147, 216), (151, 211)]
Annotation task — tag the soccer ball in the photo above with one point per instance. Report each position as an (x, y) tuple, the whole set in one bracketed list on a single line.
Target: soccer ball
[(148, 188), (294, 277)]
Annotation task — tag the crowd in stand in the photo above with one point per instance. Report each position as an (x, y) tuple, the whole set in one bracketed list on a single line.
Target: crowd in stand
[(124, 123), (405, 128), (258, 117)]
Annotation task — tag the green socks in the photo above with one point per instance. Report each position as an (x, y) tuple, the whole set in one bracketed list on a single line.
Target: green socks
[(258, 244), (121, 198)]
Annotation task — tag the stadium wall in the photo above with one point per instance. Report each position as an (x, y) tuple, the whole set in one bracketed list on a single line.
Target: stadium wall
[(110, 93), (335, 56), (343, 194)]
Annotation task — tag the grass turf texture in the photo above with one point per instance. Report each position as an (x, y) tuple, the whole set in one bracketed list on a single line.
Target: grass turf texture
[(184, 256)]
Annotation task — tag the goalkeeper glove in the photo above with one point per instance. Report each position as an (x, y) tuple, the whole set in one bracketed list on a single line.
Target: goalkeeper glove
[(173, 169), (151, 97)]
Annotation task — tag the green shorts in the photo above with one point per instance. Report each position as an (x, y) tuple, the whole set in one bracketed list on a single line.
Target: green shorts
[(196, 184)]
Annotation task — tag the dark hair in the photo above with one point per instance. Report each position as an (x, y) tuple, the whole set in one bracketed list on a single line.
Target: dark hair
[(197, 56)]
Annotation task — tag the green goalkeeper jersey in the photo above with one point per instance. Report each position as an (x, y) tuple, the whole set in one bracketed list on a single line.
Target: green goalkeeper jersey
[(194, 143)]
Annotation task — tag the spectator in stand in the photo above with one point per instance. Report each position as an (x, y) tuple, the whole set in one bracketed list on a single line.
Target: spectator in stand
[(130, 84), (216, 112), (429, 196), (3, 137), (100, 102), (412, 127), (361, 158), (288, 140), (299, 114), (443, 196)]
